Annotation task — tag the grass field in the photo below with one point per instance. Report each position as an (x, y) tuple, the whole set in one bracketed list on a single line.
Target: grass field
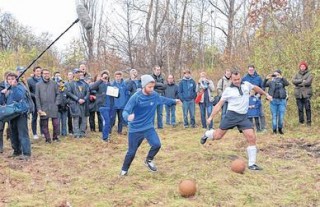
[(85, 172)]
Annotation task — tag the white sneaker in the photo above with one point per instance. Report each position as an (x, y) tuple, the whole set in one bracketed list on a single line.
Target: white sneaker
[(123, 173), (35, 136), (150, 164)]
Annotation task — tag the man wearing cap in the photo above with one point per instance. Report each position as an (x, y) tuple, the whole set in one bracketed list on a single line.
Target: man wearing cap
[(303, 91), (277, 83), (78, 93), (140, 113)]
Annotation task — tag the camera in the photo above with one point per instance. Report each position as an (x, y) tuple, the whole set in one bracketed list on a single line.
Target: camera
[(273, 75)]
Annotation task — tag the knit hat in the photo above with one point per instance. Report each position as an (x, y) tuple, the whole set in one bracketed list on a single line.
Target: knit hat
[(20, 69), (303, 63), (145, 79)]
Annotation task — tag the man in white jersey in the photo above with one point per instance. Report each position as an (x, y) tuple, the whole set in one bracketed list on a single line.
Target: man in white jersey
[(237, 96)]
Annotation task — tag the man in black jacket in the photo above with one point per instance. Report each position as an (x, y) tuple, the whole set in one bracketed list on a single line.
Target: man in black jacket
[(160, 88), (32, 81)]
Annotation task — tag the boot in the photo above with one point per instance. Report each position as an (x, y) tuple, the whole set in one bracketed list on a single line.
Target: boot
[(280, 131), (274, 131)]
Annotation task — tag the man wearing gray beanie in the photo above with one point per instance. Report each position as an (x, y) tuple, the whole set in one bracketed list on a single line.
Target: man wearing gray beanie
[(139, 112)]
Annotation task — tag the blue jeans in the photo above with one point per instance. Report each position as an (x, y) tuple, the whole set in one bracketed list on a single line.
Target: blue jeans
[(278, 109), (20, 140), (188, 106), (62, 115), (120, 119), (159, 116), (106, 115), (170, 115), (134, 141), (205, 110)]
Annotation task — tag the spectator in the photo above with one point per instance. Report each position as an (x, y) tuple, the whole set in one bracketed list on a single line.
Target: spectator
[(32, 82), (303, 92), (3, 86), (92, 105), (48, 99), (78, 94), (133, 83), (70, 126), (205, 86), (20, 140), (63, 108), (83, 68), (255, 79), (254, 110), (159, 88), (277, 84), (187, 94), (223, 83), (120, 101), (104, 102), (171, 91)]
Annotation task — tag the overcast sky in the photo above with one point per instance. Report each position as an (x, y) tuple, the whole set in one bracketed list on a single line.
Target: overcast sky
[(53, 16)]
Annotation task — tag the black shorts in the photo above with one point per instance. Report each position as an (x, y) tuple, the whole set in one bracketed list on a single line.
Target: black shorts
[(233, 119)]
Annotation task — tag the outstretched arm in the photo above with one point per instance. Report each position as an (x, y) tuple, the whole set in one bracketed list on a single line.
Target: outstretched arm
[(257, 89)]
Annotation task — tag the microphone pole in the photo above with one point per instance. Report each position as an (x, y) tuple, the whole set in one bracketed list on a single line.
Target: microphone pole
[(21, 74)]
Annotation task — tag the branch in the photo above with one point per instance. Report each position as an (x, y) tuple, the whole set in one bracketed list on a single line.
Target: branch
[(222, 12), (222, 30)]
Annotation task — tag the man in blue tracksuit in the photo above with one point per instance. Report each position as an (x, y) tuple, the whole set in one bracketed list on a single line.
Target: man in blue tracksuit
[(140, 112)]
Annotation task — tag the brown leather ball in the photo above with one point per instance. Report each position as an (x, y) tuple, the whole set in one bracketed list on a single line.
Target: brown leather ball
[(238, 166), (187, 188)]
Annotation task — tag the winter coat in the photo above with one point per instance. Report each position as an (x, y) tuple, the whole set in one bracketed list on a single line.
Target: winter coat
[(121, 101), (133, 85), (254, 79), (103, 100), (254, 107), (187, 89), (78, 89), (172, 91), (277, 87), (48, 98), (208, 91), (160, 86), (32, 82), (303, 84), (222, 84)]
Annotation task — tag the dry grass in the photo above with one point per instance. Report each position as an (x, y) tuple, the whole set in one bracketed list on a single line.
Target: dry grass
[(85, 172)]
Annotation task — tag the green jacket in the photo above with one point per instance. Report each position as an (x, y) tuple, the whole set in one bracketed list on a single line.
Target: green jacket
[(303, 84)]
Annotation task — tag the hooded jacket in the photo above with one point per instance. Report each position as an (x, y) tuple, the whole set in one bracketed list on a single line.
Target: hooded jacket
[(303, 84)]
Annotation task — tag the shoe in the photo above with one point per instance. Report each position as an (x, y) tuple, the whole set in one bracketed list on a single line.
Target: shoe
[(254, 167), (35, 136), (106, 140), (123, 173), (274, 131), (48, 141), (280, 131), (150, 165), (1, 150), (24, 157), (56, 140), (203, 139), (186, 126), (193, 126)]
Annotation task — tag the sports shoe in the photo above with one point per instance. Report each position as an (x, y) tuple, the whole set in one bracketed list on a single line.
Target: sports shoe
[(203, 139), (35, 136), (123, 173), (150, 165), (254, 167)]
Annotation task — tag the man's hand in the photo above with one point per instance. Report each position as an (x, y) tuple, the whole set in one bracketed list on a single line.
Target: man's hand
[(4, 91), (131, 117), (178, 101), (269, 97), (81, 101)]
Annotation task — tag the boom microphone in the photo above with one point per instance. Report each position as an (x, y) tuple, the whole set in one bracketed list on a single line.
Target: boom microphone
[(83, 16)]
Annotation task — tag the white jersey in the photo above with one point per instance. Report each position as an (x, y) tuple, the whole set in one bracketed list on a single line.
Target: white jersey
[(237, 102)]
